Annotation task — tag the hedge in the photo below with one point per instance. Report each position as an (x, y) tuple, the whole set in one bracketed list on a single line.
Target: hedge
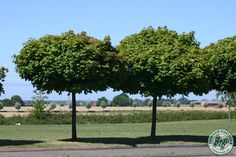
[(117, 117)]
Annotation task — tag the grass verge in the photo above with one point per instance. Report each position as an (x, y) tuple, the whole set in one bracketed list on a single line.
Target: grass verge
[(110, 135)]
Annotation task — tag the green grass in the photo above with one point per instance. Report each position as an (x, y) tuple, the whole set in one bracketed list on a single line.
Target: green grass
[(97, 135)]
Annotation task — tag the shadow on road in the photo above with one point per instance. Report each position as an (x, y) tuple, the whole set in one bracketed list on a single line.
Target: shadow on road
[(143, 140), (17, 142)]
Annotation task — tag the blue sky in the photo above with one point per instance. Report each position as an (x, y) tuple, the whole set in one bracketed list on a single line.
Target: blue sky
[(19, 20)]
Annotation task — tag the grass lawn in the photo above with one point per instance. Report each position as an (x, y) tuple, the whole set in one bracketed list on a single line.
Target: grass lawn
[(109, 135)]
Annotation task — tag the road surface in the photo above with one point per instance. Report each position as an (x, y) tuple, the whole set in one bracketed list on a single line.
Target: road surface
[(116, 152)]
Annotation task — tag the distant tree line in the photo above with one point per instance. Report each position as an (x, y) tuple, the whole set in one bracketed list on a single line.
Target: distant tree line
[(124, 100), (12, 101), (119, 100)]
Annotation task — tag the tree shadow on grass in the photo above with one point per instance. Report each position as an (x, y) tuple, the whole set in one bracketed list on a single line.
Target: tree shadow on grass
[(7, 142), (144, 140)]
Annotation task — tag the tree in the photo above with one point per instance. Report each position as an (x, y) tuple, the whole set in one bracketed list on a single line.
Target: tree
[(88, 106), (139, 102), (149, 104), (231, 100), (17, 98), (228, 97), (18, 106), (192, 105), (121, 100), (7, 102), (160, 102), (134, 104), (103, 104), (1, 106), (146, 101), (221, 106), (178, 104), (184, 100), (39, 97), (166, 104), (74, 63), (39, 101), (205, 105), (3, 72), (102, 99), (221, 59), (161, 62)]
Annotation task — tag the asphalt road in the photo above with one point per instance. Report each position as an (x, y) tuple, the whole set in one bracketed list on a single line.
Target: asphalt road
[(121, 152)]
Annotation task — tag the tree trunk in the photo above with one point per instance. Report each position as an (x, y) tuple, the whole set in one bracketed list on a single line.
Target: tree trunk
[(230, 120), (154, 111), (74, 133)]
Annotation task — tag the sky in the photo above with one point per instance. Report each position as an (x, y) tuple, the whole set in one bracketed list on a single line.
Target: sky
[(20, 20)]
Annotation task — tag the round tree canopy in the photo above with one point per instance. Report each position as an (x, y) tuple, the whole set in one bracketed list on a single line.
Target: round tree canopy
[(221, 56), (67, 62), (162, 62)]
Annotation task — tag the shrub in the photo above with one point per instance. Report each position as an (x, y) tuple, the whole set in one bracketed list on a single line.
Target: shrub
[(2, 120), (146, 101), (177, 104), (18, 106), (134, 104), (38, 113), (192, 105), (88, 106), (149, 103), (166, 104), (103, 104), (205, 105), (221, 106)]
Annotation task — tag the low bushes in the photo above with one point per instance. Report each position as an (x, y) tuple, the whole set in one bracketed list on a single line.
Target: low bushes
[(116, 117), (146, 116)]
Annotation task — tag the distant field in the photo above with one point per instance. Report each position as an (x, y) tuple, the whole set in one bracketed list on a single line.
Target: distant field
[(109, 135), (10, 111)]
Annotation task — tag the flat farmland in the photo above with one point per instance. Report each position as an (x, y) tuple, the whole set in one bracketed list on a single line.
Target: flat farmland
[(10, 111)]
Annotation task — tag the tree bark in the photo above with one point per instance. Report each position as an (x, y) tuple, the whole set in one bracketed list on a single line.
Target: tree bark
[(74, 133), (154, 110)]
